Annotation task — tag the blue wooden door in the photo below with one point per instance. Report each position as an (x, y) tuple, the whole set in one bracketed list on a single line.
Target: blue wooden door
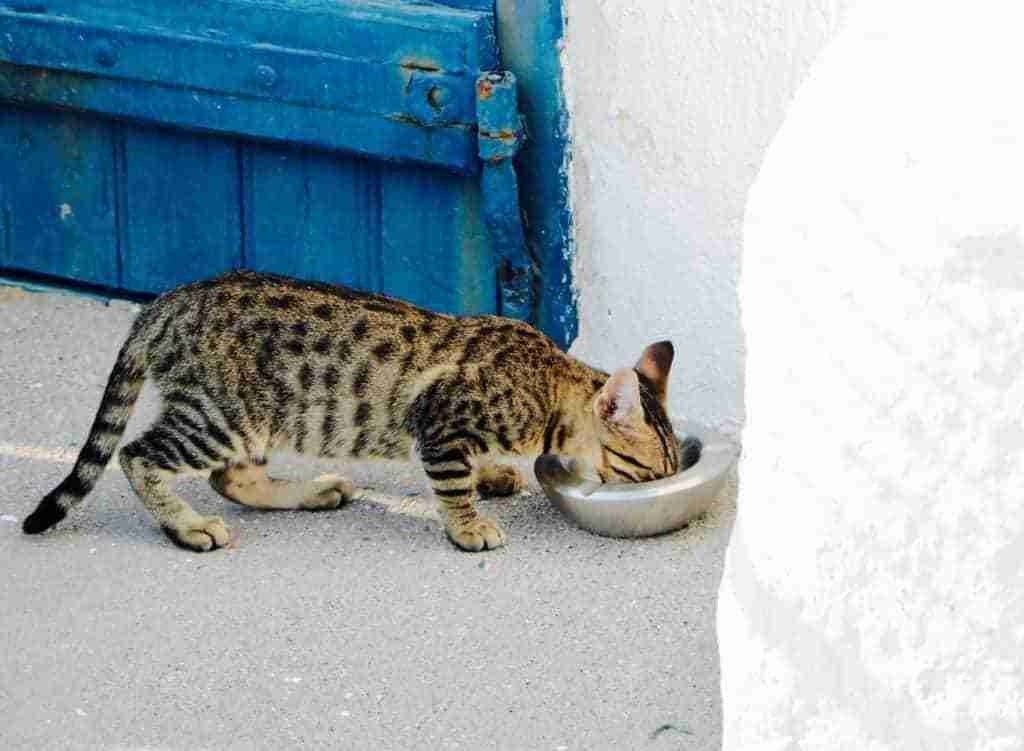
[(146, 143)]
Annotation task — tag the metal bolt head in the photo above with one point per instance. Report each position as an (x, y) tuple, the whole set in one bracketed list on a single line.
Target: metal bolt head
[(105, 53), (437, 97), (266, 76)]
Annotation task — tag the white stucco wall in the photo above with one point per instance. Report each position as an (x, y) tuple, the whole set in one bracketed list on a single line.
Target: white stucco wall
[(672, 104), (873, 596)]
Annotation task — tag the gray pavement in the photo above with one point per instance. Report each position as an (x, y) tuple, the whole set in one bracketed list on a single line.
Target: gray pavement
[(355, 629)]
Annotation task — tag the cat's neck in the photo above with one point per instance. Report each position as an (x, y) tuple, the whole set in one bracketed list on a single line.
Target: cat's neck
[(569, 428)]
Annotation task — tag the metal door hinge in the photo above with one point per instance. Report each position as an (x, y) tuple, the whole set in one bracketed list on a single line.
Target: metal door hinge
[(500, 135)]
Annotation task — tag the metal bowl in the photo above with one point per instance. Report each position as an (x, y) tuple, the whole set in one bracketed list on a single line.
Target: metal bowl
[(645, 508)]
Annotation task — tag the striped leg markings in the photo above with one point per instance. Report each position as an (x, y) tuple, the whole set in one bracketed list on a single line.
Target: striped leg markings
[(153, 460), (454, 480)]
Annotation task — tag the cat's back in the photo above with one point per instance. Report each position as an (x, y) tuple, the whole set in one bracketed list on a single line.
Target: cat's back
[(250, 325), (248, 295)]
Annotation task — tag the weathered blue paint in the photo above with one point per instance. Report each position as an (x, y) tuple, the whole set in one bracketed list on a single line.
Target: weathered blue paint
[(500, 134), (400, 138), (56, 197), (331, 230), (136, 209), (121, 205), (486, 5), (499, 123), (305, 72), (530, 35), (145, 143), (415, 216), (192, 218)]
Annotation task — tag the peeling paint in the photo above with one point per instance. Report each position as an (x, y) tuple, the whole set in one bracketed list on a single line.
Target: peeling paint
[(420, 64), (500, 192), (530, 36), (507, 136)]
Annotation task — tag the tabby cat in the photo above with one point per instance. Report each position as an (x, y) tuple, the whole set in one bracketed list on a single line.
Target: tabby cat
[(248, 364)]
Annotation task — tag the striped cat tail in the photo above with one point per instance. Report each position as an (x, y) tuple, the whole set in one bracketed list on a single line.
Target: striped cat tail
[(123, 388)]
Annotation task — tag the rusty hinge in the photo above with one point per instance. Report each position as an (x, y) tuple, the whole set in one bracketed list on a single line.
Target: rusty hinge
[(500, 136)]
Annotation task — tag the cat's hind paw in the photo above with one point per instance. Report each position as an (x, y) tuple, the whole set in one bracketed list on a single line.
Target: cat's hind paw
[(500, 481), (200, 534)]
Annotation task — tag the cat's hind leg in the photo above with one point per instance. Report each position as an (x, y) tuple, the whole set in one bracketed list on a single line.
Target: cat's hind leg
[(249, 485), (155, 459)]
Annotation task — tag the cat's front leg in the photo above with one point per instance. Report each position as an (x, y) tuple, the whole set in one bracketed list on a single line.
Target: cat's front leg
[(454, 478), (466, 528)]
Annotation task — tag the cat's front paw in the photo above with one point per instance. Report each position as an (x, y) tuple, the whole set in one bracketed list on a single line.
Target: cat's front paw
[(476, 535), (201, 533)]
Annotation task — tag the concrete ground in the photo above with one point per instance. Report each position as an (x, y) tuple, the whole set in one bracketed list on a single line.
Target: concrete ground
[(355, 629)]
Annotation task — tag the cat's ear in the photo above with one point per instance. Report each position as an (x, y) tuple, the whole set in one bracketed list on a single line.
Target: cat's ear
[(618, 401), (654, 364)]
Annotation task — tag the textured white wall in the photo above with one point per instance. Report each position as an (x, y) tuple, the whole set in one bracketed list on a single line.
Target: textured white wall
[(672, 105), (873, 596)]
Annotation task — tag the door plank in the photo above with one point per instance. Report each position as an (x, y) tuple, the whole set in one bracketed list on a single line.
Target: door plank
[(313, 215), (180, 207), (57, 201), (434, 249)]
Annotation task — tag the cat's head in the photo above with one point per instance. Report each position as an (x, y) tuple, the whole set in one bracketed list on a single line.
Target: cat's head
[(634, 437), (627, 436)]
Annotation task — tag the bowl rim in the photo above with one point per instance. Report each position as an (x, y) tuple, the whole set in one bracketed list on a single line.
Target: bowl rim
[(718, 453)]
